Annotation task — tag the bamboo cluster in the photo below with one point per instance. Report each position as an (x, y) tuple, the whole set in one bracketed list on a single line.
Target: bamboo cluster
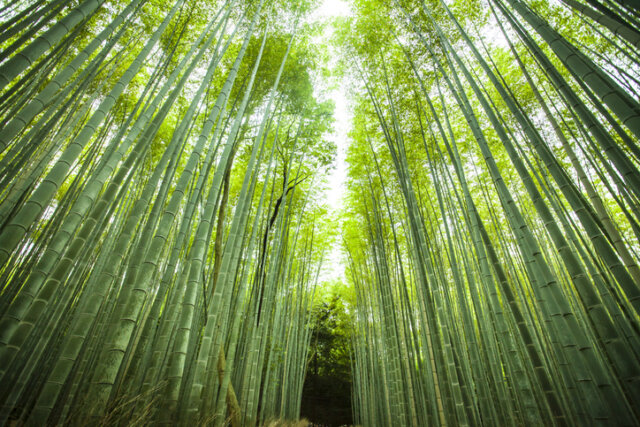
[(144, 279), (496, 270)]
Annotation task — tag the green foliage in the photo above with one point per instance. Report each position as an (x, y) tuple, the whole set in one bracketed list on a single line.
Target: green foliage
[(326, 396)]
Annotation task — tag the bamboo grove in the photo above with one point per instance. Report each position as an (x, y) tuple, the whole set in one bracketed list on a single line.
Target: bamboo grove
[(158, 241), (162, 227), (492, 228)]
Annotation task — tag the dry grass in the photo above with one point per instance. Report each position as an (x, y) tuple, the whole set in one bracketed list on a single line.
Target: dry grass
[(287, 423), (130, 411)]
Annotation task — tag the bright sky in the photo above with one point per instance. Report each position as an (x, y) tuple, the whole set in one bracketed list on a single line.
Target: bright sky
[(329, 9), (333, 267)]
